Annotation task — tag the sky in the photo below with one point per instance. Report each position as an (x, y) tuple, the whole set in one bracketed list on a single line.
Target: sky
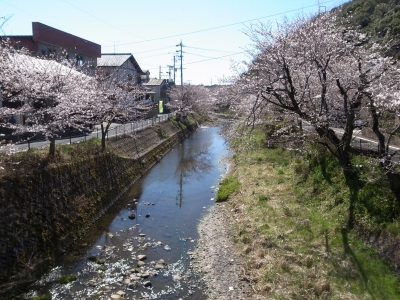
[(212, 32)]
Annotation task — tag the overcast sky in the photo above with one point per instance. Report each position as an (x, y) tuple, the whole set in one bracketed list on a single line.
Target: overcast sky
[(211, 31)]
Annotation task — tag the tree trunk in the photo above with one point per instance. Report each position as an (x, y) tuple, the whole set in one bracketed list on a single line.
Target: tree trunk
[(103, 135), (52, 149), (354, 184), (103, 138), (375, 129)]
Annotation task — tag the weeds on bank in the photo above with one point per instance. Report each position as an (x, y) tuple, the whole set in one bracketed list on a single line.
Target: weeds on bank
[(34, 159), (290, 219), (42, 297), (67, 279), (227, 187)]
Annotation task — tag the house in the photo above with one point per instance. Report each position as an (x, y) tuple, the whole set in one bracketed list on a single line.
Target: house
[(159, 87), (46, 40), (145, 76), (121, 65)]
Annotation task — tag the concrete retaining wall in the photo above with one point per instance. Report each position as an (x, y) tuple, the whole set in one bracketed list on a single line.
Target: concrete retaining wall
[(43, 213)]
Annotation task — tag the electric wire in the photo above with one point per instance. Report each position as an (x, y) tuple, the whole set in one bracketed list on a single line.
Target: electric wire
[(224, 26), (195, 62), (101, 20)]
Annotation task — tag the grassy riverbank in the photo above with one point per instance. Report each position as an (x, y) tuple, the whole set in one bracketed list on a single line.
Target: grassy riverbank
[(290, 213)]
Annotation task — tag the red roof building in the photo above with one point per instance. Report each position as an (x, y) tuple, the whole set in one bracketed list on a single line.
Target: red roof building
[(46, 40)]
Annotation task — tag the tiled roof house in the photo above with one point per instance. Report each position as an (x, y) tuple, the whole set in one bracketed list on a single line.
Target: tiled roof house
[(123, 65)]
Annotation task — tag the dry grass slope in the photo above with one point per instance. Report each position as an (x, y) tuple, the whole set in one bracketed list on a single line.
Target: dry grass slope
[(294, 248)]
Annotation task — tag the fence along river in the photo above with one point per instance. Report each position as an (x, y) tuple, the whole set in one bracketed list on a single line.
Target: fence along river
[(141, 248)]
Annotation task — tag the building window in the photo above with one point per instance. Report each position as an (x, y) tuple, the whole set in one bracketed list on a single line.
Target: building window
[(51, 51), (79, 60)]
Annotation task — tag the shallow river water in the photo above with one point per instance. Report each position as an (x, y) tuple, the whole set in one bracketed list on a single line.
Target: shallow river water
[(141, 248)]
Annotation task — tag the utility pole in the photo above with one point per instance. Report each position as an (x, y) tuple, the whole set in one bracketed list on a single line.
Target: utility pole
[(181, 56), (159, 72), (169, 72), (174, 67), (114, 45)]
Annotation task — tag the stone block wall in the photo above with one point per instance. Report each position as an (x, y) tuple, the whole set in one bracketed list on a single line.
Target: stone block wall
[(43, 213)]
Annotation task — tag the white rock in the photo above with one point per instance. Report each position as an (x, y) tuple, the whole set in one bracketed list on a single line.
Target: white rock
[(176, 277)]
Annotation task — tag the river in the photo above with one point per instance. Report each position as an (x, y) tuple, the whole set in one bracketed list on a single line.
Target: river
[(141, 248)]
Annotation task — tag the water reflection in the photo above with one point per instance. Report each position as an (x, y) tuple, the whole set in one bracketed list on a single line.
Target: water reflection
[(167, 203), (195, 162)]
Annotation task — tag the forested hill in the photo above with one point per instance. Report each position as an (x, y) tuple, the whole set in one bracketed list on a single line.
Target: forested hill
[(378, 18)]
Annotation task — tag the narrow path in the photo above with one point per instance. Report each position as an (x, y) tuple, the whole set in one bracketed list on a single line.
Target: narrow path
[(216, 259)]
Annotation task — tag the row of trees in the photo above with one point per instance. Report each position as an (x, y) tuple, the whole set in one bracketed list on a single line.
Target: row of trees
[(190, 98), (54, 97), (321, 71), (325, 74)]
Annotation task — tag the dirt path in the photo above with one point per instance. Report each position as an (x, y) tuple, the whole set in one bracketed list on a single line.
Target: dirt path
[(215, 258)]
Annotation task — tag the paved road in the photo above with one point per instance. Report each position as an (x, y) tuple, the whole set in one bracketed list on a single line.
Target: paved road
[(114, 130), (359, 141)]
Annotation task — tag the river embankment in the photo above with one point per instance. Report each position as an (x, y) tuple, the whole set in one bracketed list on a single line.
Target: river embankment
[(282, 234), (48, 204)]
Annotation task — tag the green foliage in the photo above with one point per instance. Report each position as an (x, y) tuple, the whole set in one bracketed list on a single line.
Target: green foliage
[(263, 198), (43, 297), (297, 206), (323, 182), (227, 187), (378, 18), (67, 279)]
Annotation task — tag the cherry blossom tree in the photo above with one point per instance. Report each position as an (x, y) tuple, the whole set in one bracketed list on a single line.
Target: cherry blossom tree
[(52, 97), (317, 70), (60, 101), (189, 98), (117, 100), (322, 72), (379, 84)]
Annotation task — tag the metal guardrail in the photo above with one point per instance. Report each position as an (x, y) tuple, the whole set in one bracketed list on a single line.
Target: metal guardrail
[(24, 142)]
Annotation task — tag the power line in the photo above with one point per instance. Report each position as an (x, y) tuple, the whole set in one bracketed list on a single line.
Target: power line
[(19, 9), (151, 50), (199, 55), (101, 20), (195, 62), (223, 26), (209, 49), (140, 57)]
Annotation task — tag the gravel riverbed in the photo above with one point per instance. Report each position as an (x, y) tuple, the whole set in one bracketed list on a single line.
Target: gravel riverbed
[(216, 259)]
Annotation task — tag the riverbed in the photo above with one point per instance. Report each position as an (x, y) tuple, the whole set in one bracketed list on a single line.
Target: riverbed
[(142, 248)]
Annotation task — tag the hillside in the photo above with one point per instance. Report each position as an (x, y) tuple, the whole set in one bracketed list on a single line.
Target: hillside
[(380, 19)]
